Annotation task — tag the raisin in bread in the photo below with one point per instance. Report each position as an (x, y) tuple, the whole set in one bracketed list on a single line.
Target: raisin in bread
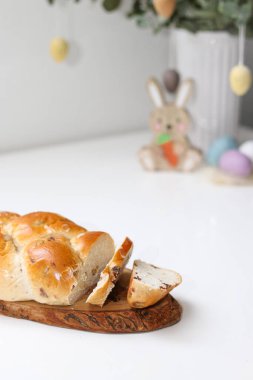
[(111, 274)]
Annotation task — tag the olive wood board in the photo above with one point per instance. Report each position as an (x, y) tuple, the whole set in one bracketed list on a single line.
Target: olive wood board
[(115, 316)]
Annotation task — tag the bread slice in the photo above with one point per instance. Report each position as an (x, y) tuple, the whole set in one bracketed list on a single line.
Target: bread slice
[(111, 273), (149, 284)]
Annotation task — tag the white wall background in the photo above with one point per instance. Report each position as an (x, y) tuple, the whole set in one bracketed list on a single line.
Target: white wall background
[(100, 89)]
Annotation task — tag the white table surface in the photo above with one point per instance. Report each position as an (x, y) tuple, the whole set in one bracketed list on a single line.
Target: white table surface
[(178, 221)]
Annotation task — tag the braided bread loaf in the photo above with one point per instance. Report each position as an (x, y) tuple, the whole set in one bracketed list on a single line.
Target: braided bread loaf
[(47, 258)]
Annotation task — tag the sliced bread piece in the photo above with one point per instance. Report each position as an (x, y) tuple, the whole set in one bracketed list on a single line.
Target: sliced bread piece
[(111, 273), (149, 284)]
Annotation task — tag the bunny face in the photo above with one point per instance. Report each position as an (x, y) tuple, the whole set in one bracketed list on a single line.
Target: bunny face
[(171, 120)]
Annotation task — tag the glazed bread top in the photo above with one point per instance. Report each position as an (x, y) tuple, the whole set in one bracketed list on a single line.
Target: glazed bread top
[(48, 258)]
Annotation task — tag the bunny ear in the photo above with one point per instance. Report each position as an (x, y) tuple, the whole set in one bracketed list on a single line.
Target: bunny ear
[(183, 93), (156, 93)]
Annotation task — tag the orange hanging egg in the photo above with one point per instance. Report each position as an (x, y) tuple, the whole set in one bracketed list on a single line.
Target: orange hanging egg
[(164, 8)]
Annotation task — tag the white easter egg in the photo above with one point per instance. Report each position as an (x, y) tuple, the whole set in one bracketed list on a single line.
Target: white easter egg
[(247, 149), (240, 79)]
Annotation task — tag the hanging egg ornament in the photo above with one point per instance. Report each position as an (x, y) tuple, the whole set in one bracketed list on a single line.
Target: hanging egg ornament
[(240, 76), (164, 8), (59, 49), (171, 80), (240, 79)]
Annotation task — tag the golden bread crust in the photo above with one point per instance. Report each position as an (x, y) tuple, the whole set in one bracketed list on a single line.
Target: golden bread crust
[(37, 224), (51, 265), (139, 296), (84, 241), (6, 217), (43, 257)]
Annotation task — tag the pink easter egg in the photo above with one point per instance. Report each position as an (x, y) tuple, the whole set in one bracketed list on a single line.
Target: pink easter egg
[(235, 163)]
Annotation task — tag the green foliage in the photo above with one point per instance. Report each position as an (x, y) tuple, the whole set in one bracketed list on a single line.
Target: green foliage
[(193, 15), (108, 5), (198, 15), (111, 5)]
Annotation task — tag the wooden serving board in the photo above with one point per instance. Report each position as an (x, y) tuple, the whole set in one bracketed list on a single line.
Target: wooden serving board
[(114, 317)]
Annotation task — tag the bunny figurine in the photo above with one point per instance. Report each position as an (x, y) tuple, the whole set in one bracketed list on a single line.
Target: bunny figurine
[(170, 122)]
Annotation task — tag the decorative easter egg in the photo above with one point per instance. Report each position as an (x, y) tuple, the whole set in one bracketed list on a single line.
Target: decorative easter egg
[(247, 149), (164, 8), (218, 147), (240, 79), (171, 80), (235, 163), (59, 49)]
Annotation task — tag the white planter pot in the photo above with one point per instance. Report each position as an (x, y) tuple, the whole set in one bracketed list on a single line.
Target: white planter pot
[(207, 57)]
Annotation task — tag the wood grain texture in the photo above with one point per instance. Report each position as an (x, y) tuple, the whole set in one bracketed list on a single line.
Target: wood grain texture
[(115, 317)]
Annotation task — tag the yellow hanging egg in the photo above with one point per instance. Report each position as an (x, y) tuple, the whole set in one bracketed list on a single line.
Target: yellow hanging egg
[(164, 8), (240, 79), (59, 49)]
